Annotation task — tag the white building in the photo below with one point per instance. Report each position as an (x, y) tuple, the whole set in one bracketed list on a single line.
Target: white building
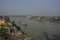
[(29, 17)]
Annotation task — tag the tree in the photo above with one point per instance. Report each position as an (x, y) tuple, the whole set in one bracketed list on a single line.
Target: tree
[(18, 28), (7, 19), (13, 23)]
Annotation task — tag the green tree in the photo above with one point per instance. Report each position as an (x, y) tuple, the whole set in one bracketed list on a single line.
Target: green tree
[(7, 19), (13, 23), (18, 28)]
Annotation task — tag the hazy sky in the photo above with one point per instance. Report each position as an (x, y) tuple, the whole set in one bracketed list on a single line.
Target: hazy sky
[(30, 7)]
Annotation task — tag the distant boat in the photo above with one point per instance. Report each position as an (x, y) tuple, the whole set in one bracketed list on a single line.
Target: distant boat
[(36, 19), (25, 24)]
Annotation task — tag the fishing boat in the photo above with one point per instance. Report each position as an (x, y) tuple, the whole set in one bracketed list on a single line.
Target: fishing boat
[(25, 24)]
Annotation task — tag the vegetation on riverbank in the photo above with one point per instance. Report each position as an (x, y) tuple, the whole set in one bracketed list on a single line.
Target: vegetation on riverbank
[(8, 27)]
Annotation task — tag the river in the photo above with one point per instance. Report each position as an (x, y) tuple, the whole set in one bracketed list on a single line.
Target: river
[(35, 29)]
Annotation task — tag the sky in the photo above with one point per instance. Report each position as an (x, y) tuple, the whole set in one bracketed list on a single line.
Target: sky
[(30, 7)]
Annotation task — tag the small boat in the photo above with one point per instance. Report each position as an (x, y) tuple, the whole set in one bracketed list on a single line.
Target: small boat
[(25, 24), (36, 19)]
